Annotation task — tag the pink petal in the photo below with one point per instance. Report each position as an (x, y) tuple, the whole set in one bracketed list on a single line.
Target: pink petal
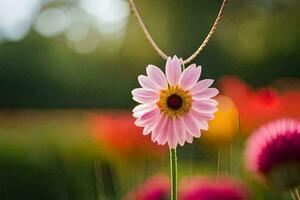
[(159, 129), (150, 127), (157, 76), (202, 116), (172, 134), (189, 138), (189, 77), (212, 102), (191, 125), (142, 109), (142, 95), (145, 82), (180, 130), (165, 131), (147, 118), (201, 119), (173, 70), (206, 94), (204, 107), (201, 85), (162, 139), (203, 125), (147, 130)]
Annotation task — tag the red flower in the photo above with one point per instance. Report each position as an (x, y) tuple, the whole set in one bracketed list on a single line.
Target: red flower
[(118, 136), (257, 107)]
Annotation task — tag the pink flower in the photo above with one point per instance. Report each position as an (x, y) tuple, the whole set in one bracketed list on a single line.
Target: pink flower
[(273, 152), (200, 188), (155, 188), (174, 107)]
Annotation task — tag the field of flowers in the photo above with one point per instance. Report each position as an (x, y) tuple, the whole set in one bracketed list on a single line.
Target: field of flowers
[(101, 154)]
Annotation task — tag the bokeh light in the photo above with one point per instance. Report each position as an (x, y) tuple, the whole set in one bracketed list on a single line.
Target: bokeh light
[(110, 15), (51, 22), (16, 18)]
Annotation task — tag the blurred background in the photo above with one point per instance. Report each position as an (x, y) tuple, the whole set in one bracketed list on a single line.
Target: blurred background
[(67, 68)]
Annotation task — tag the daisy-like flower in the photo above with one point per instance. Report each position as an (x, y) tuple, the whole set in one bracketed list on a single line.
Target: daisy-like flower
[(273, 153), (174, 106)]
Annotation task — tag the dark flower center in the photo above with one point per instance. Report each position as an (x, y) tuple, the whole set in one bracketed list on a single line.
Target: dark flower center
[(174, 101)]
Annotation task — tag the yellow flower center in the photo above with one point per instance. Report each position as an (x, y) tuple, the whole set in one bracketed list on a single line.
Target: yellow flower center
[(174, 101)]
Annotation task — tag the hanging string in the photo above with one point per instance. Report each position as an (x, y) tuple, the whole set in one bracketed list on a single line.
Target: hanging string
[(155, 46)]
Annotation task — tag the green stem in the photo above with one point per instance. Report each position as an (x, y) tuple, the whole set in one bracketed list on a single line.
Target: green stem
[(219, 161), (229, 159), (224, 160), (173, 165)]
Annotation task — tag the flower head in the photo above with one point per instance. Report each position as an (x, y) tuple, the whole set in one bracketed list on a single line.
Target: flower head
[(174, 107), (210, 189), (273, 153), (260, 106), (119, 137), (155, 188)]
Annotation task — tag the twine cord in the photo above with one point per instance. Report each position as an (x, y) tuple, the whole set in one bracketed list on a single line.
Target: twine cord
[(156, 47)]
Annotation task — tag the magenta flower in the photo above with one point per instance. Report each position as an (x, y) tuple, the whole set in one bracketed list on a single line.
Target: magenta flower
[(155, 188), (273, 153), (174, 107), (200, 188)]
